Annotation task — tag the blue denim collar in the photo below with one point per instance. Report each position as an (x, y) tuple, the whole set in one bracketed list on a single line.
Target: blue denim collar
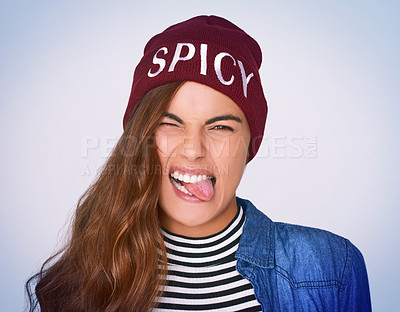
[(257, 244)]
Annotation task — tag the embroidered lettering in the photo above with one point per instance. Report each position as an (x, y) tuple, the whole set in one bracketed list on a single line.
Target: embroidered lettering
[(203, 57), (245, 79), (158, 61), (178, 57), (217, 66)]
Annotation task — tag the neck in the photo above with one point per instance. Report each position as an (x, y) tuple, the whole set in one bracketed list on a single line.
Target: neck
[(213, 226)]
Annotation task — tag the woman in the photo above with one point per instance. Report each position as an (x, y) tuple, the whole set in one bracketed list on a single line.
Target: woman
[(162, 229)]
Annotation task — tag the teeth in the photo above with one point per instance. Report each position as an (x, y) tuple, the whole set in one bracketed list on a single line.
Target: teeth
[(186, 178), (181, 188), (189, 178)]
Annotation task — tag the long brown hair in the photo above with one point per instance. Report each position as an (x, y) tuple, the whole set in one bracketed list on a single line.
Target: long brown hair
[(115, 258)]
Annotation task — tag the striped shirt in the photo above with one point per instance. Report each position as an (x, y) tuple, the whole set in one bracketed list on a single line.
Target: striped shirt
[(202, 273)]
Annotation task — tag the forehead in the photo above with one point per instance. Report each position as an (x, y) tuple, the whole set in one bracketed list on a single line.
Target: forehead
[(195, 100)]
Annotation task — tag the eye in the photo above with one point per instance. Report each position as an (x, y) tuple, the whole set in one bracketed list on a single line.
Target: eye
[(221, 127), (168, 124)]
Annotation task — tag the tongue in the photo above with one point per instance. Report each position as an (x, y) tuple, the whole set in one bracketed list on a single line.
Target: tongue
[(203, 190)]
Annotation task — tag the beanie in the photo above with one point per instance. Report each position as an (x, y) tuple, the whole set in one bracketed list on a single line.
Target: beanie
[(210, 50)]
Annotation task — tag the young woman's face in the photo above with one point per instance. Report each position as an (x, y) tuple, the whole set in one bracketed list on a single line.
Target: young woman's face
[(202, 143)]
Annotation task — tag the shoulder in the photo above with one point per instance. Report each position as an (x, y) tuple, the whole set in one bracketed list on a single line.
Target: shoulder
[(308, 243), (300, 253), (311, 254), (308, 262), (310, 258)]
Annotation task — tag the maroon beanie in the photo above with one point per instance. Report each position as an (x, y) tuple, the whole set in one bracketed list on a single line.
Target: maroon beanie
[(212, 51)]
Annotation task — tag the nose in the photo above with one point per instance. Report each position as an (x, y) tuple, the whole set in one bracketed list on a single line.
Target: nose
[(193, 146)]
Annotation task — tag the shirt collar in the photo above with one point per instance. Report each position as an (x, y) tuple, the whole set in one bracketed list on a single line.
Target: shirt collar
[(257, 244)]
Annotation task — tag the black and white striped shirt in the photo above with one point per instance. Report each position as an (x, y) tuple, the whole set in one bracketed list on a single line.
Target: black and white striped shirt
[(202, 273)]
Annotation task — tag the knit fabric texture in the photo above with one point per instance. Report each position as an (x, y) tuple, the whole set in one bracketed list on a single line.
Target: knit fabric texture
[(210, 50)]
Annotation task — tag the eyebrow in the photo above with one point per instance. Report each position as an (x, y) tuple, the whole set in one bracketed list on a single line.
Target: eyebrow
[(223, 117), (174, 117), (210, 121)]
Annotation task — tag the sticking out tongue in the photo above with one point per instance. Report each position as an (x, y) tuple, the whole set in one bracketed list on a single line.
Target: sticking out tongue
[(203, 190)]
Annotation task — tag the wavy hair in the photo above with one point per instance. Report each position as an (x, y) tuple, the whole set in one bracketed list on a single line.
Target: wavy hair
[(115, 258)]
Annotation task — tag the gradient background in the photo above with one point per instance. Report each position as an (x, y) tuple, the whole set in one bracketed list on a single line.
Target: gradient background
[(330, 72)]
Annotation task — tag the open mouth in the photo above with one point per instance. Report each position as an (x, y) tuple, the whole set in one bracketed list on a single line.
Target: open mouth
[(198, 185)]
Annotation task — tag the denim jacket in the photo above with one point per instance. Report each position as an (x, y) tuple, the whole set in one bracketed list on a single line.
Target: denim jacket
[(296, 268)]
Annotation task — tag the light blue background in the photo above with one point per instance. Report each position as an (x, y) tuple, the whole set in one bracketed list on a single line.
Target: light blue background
[(330, 71)]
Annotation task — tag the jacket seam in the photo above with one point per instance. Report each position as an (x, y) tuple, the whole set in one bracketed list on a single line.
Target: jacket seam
[(347, 262), (251, 277), (308, 284), (265, 287), (271, 244), (250, 259)]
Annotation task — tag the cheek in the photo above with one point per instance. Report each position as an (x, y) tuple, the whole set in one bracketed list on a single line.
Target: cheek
[(231, 161), (230, 150), (166, 145), (239, 149), (161, 143)]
